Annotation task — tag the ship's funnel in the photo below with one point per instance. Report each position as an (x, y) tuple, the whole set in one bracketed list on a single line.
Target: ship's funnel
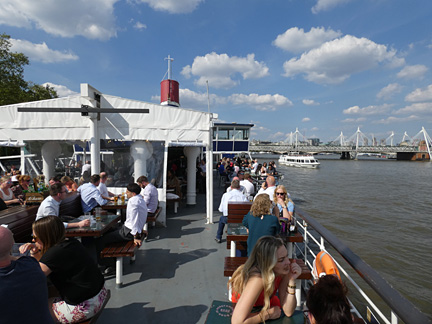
[(170, 89)]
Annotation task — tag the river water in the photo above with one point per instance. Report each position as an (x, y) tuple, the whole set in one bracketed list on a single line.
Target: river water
[(381, 209)]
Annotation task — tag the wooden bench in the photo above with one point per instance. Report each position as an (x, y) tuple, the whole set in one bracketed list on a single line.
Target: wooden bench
[(119, 250), (96, 316), (237, 210), (19, 220), (232, 263), (152, 217)]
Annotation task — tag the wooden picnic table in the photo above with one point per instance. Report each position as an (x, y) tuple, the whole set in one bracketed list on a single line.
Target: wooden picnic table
[(237, 232), (93, 230), (118, 207)]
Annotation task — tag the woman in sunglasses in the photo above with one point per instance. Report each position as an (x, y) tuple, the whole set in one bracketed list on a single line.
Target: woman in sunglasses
[(284, 203), (259, 221), (66, 262), (266, 280), (6, 192)]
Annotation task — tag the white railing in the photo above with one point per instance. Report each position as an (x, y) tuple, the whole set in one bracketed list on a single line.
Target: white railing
[(316, 241)]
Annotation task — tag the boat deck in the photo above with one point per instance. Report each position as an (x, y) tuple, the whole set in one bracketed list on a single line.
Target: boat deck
[(177, 273)]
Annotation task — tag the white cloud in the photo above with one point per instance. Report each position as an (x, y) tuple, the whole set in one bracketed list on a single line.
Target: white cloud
[(314, 129), (91, 19), (295, 40), (335, 61), (173, 6), (324, 5), (369, 110), (310, 102), (420, 95), (306, 119), (413, 72), (392, 119), (220, 69), (277, 136), (41, 52), (260, 102), (389, 90), (138, 25), (62, 91), (419, 108), (354, 120)]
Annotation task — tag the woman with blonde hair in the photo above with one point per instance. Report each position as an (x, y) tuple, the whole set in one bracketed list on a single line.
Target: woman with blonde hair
[(71, 269), (6, 193), (259, 221), (23, 184), (266, 272), (283, 202)]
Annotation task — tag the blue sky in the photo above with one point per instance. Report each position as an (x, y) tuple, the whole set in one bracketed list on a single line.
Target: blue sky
[(322, 66)]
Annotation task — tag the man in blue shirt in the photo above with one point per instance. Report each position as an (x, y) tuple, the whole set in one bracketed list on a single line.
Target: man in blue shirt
[(90, 195)]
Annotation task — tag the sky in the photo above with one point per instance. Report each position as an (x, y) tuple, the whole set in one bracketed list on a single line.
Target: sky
[(320, 66)]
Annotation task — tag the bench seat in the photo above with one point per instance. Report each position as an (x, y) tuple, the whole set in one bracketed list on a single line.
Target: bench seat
[(119, 250), (237, 210), (19, 220), (152, 217)]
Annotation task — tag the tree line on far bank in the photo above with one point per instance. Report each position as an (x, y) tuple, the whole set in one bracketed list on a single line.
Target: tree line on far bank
[(13, 88)]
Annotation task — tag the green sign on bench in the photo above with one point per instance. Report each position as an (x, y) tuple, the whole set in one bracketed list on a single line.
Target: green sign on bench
[(220, 313)]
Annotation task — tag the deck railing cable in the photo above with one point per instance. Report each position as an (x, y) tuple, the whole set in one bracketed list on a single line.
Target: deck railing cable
[(403, 308)]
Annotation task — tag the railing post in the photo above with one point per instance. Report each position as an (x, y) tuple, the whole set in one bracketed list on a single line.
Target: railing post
[(305, 239), (394, 318)]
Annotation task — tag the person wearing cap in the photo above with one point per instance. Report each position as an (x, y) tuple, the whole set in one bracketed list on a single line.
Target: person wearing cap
[(248, 185), (234, 195)]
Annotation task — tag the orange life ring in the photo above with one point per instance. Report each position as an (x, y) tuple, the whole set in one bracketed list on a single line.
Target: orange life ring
[(325, 265)]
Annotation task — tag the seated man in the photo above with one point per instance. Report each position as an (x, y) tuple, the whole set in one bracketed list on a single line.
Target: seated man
[(136, 217), (51, 205), (103, 189), (90, 195), (23, 286), (248, 184), (151, 198), (234, 195), (268, 187)]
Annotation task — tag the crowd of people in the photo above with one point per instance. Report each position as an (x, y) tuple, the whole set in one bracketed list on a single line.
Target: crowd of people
[(267, 280), (76, 274)]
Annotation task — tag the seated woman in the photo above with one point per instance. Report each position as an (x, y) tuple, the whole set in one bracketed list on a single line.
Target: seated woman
[(6, 192), (283, 202), (259, 221), (327, 302), (173, 183), (69, 183), (71, 270), (266, 272), (23, 184)]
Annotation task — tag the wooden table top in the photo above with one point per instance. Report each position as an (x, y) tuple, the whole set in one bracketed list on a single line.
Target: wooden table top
[(237, 232), (107, 223), (111, 205)]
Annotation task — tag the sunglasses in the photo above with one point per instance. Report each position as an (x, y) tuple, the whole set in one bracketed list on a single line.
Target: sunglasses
[(280, 193)]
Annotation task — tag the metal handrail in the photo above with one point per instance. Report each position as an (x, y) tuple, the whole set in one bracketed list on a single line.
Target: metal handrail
[(404, 309)]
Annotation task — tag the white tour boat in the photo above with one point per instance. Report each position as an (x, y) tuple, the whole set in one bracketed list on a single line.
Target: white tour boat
[(299, 160)]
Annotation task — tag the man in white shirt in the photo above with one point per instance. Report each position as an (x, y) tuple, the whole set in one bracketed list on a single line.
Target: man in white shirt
[(248, 185), (90, 195), (255, 167), (268, 187), (51, 205), (150, 194), (136, 217), (234, 195), (86, 167), (103, 188)]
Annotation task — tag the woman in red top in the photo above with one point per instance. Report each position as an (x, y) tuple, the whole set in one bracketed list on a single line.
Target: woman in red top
[(267, 271)]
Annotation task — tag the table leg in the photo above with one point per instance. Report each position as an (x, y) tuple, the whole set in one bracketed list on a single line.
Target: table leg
[(298, 292), (176, 204), (233, 249), (230, 291), (119, 272), (290, 249)]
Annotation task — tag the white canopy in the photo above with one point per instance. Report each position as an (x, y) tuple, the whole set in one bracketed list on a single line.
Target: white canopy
[(162, 123)]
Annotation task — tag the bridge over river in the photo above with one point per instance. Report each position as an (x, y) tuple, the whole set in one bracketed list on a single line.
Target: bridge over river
[(402, 152)]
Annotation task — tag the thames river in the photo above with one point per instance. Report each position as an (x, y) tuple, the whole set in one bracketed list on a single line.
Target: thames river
[(382, 209)]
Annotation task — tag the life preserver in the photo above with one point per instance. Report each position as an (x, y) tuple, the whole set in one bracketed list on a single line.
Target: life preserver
[(324, 265)]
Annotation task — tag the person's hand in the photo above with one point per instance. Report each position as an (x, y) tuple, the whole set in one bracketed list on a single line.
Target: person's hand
[(274, 312), (295, 270), (27, 247), (137, 242), (264, 185), (84, 223)]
